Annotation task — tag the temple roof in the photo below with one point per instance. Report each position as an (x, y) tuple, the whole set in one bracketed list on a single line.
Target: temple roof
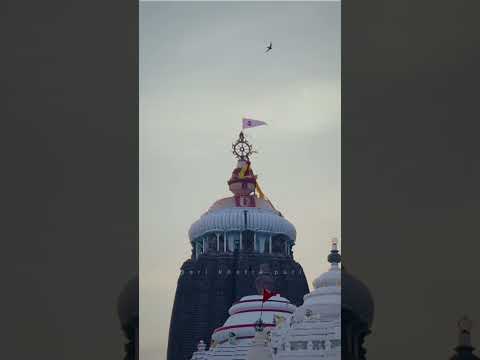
[(239, 219), (246, 312), (230, 202)]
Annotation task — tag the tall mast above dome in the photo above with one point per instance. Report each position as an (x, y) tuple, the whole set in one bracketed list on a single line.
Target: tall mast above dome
[(243, 182)]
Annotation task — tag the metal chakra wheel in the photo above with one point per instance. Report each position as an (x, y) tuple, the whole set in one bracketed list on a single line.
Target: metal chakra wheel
[(241, 148)]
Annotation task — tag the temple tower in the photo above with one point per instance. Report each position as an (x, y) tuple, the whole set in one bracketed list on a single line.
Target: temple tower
[(236, 240)]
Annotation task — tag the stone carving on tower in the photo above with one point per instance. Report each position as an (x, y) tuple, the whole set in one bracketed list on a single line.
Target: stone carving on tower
[(239, 239)]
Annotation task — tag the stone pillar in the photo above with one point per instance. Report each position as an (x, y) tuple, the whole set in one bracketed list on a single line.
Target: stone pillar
[(241, 242), (270, 244), (218, 242), (225, 241), (203, 245), (255, 241)]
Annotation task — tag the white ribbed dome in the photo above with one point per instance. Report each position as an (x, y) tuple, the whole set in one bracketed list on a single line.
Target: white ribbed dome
[(315, 329), (324, 301), (234, 219), (245, 313), (333, 277)]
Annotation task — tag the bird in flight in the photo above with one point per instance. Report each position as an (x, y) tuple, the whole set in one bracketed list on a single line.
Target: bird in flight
[(269, 47)]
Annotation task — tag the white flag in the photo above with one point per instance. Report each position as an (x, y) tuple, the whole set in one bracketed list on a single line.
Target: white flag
[(249, 123)]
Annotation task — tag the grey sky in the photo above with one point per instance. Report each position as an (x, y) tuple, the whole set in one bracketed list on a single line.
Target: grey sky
[(202, 68)]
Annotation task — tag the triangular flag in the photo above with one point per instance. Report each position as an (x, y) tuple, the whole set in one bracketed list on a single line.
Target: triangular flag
[(267, 294), (249, 123)]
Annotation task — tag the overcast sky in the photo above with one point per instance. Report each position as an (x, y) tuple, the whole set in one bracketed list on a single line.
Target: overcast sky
[(202, 68)]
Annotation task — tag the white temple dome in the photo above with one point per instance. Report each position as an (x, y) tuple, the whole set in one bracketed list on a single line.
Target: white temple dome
[(333, 277), (309, 332), (324, 301), (239, 338), (314, 331), (229, 202), (330, 278), (238, 218), (245, 313)]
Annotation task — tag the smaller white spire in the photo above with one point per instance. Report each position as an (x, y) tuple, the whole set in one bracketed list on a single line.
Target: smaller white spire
[(334, 244), (333, 276), (334, 258)]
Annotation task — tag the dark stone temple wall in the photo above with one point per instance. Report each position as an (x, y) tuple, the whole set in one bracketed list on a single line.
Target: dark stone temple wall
[(207, 288)]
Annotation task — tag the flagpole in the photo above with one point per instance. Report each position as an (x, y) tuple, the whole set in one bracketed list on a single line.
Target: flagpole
[(261, 310)]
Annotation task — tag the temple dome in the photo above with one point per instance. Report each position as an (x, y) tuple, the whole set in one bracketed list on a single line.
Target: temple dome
[(239, 338), (239, 219), (324, 300), (229, 202), (314, 331), (333, 276), (246, 312)]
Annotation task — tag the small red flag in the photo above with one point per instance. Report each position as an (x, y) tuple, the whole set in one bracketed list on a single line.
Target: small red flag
[(268, 294)]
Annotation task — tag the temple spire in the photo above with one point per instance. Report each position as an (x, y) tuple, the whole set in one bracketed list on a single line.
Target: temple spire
[(334, 257)]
